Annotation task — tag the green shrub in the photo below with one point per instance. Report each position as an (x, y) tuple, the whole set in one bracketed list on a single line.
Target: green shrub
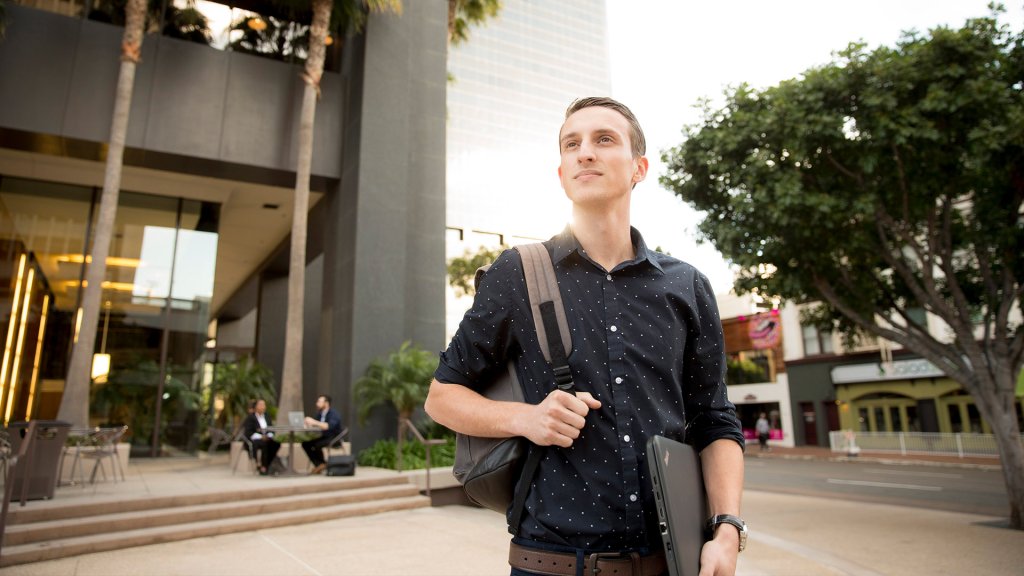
[(382, 455)]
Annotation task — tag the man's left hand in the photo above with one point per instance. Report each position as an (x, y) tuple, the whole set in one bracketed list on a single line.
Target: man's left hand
[(718, 557)]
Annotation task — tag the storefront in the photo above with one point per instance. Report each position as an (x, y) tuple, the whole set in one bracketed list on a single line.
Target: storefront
[(155, 305), (906, 396)]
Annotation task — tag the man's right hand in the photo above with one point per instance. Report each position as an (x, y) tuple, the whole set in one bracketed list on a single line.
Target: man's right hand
[(557, 420)]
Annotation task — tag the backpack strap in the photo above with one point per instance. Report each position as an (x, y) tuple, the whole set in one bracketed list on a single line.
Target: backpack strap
[(555, 343)]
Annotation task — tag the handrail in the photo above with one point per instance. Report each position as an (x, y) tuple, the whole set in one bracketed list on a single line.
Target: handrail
[(405, 423), (24, 452)]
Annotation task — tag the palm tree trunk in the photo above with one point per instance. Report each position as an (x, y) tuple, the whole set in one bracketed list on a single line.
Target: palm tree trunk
[(291, 377), (74, 404)]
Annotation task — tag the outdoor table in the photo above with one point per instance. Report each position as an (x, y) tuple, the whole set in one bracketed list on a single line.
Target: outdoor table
[(290, 431)]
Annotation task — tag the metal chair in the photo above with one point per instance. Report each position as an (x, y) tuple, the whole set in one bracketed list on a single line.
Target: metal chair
[(338, 443), (218, 438), (254, 453), (106, 440)]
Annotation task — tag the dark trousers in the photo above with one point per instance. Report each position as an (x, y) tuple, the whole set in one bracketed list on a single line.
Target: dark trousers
[(315, 449), (268, 448)]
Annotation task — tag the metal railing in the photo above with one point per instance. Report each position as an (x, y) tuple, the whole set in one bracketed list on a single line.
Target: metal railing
[(22, 458), (903, 443), (406, 424)]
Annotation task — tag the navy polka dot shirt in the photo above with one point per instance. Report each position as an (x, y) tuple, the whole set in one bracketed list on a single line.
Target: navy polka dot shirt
[(646, 341)]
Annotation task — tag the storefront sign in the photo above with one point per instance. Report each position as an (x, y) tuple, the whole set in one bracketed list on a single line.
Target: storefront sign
[(876, 371)]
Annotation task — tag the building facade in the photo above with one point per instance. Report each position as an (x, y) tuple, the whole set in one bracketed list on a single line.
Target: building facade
[(511, 84), (756, 373), (198, 267), (872, 386)]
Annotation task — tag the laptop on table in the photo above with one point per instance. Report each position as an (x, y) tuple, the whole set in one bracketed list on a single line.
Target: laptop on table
[(681, 500), (296, 419)]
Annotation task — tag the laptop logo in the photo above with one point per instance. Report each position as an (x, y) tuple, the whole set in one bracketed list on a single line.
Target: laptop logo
[(666, 458)]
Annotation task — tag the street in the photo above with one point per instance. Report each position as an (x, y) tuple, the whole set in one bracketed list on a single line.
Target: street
[(969, 490)]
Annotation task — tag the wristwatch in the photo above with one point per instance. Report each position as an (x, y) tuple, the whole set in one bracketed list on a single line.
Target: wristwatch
[(736, 521)]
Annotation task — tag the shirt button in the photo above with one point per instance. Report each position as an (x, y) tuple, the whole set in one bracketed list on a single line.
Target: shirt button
[(618, 380), (614, 329), (609, 277), (625, 438), (632, 497)]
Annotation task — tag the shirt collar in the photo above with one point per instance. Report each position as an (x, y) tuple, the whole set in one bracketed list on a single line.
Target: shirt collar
[(565, 244)]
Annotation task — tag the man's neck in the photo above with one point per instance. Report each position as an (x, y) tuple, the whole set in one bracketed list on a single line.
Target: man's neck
[(604, 234)]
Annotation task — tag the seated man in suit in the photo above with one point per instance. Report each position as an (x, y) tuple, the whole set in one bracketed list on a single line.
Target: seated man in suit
[(327, 420), (255, 425)]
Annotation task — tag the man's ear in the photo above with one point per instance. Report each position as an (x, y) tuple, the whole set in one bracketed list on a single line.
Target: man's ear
[(640, 171)]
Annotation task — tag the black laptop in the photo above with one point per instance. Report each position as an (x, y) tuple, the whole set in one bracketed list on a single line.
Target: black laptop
[(682, 502)]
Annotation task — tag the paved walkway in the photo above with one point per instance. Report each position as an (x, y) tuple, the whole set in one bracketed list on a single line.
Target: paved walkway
[(790, 536)]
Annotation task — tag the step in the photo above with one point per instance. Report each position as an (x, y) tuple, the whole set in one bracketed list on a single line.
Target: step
[(123, 521), (18, 515), (53, 549)]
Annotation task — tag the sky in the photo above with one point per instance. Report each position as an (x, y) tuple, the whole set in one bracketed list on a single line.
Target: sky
[(667, 54)]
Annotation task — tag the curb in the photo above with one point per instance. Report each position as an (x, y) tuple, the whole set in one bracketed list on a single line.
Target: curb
[(882, 460)]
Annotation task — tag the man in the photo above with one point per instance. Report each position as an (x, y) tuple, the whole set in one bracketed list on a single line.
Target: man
[(329, 421), (255, 428), (647, 359), (763, 428)]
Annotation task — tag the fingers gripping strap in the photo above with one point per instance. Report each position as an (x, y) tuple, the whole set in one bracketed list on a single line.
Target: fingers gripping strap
[(542, 286)]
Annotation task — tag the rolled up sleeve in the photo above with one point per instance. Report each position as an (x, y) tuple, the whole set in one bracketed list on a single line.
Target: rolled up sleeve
[(483, 341), (710, 414)]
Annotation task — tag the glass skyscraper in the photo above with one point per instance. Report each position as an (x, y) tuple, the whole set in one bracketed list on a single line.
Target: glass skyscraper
[(511, 83)]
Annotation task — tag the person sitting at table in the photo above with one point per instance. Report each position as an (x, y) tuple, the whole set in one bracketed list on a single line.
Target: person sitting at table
[(329, 421), (255, 425)]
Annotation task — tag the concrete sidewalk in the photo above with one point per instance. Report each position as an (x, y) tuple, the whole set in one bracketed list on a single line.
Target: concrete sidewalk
[(790, 536)]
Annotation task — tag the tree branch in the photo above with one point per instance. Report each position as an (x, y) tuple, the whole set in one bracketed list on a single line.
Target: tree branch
[(846, 171), (936, 352)]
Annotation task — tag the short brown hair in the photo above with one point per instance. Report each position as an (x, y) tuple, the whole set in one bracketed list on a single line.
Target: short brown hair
[(638, 144)]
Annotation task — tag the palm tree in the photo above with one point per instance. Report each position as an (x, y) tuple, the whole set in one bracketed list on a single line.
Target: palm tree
[(238, 383), (465, 13), (74, 404), (350, 16), (401, 380)]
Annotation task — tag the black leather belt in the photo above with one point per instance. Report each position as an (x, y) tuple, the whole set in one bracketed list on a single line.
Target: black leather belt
[(598, 563)]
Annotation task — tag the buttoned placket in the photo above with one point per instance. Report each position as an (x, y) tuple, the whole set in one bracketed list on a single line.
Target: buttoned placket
[(616, 337)]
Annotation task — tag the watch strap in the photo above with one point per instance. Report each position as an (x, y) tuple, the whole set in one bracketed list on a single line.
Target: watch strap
[(736, 521)]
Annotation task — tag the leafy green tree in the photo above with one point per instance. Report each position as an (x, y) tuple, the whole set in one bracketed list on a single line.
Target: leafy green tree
[(462, 269), (349, 17), (883, 183), (400, 380)]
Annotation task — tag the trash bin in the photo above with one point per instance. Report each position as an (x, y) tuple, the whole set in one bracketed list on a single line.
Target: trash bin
[(40, 469)]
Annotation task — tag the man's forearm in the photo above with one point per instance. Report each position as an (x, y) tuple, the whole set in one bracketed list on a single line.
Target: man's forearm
[(722, 462), (467, 412)]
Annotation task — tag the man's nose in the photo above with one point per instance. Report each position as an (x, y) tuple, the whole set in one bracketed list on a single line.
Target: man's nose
[(586, 151)]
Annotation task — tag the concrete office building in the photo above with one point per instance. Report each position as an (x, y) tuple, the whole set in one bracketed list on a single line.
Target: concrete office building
[(198, 266), (511, 84)]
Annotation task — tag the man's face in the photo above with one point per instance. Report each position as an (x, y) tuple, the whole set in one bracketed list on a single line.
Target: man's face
[(321, 403), (261, 407), (597, 163)]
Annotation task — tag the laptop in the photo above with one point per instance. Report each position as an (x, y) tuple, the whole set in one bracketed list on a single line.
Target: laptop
[(296, 419), (681, 500)]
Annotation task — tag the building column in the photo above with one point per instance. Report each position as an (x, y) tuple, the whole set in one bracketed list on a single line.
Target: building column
[(384, 265)]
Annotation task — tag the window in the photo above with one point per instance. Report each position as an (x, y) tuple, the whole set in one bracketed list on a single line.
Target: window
[(817, 341)]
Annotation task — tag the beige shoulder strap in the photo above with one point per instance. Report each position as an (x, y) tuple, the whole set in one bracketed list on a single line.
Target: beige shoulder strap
[(542, 286)]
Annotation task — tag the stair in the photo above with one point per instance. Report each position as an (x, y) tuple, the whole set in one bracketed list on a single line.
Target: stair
[(34, 535)]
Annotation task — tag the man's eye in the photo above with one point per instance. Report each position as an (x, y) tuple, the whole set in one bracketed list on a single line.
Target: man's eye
[(605, 139), (570, 144)]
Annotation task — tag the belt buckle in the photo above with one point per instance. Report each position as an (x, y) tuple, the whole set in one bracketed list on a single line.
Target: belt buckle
[(593, 559)]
